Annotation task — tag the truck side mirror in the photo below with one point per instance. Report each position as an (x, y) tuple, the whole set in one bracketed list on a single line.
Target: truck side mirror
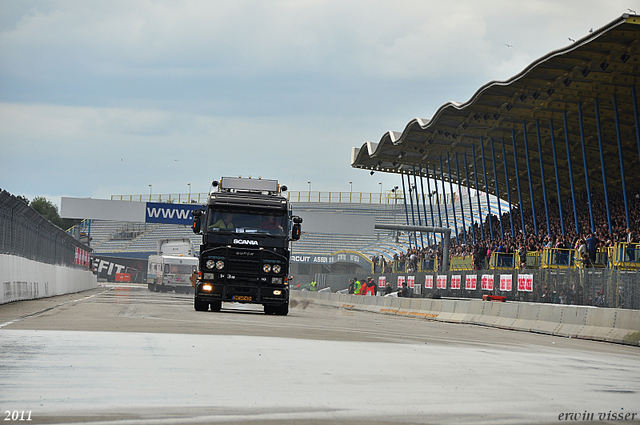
[(196, 221), (296, 230), (297, 219)]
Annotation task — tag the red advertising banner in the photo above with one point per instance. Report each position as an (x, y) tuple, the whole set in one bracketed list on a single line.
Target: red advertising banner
[(525, 282), (428, 282), (411, 281), (400, 281), (456, 279), (471, 282), (487, 282), (82, 257), (441, 281), (382, 281), (506, 281)]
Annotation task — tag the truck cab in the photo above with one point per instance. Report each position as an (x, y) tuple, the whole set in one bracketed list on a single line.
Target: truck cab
[(246, 230)]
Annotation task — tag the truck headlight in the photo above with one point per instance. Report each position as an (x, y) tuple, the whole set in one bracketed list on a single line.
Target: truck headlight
[(207, 288), (210, 264), (277, 268), (266, 268), (220, 265)]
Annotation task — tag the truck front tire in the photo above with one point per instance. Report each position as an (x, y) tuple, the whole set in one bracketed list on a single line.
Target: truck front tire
[(200, 305)]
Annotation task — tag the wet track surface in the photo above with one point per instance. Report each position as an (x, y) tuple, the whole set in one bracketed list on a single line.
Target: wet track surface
[(129, 356)]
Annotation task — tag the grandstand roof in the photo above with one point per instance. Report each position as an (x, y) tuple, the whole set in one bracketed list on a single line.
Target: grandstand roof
[(576, 80)]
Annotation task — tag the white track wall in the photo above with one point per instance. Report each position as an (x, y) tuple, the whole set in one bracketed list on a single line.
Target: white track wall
[(24, 279)]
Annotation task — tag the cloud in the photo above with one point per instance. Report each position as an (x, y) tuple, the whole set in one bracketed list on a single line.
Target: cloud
[(98, 98)]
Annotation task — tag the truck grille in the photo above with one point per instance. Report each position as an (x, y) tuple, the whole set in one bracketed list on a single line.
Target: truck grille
[(244, 262)]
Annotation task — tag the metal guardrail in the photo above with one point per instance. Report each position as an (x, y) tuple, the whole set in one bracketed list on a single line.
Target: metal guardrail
[(585, 286), (25, 233)]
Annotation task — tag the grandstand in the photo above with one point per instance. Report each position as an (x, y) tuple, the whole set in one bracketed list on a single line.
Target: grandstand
[(123, 239)]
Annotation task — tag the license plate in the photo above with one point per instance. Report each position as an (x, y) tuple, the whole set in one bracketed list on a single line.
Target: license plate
[(241, 298)]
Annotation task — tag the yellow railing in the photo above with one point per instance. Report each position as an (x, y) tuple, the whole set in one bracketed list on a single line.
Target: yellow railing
[(461, 263), (558, 258), (503, 261), (625, 256), (424, 265)]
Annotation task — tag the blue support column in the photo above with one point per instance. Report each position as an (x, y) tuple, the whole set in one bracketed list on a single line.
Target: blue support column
[(475, 174), (464, 224), (406, 210), (444, 194), (486, 187), (573, 191), (604, 174), (544, 189), (586, 170), (415, 192), (435, 186), (466, 173), (495, 176), (526, 152), (433, 223), (515, 160), (506, 179), (424, 205), (555, 165), (635, 114), (624, 186), (453, 204)]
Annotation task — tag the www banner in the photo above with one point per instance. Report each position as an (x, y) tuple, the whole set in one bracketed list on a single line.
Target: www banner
[(170, 213)]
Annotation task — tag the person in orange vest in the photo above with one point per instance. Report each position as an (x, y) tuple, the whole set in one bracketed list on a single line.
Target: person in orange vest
[(364, 288)]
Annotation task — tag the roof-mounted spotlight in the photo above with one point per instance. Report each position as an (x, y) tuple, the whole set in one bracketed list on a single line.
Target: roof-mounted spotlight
[(585, 72), (372, 172), (550, 91), (567, 82), (625, 57)]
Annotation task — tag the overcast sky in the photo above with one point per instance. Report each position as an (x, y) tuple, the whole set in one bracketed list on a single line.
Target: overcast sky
[(101, 98)]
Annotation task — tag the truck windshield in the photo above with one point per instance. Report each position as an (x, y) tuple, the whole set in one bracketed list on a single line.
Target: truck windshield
[(247, 221)]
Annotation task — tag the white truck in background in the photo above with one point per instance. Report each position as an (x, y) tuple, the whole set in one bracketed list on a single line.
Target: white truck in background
[(173, 265)]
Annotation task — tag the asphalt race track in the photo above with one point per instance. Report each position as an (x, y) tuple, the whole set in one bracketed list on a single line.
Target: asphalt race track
[(122, 354)]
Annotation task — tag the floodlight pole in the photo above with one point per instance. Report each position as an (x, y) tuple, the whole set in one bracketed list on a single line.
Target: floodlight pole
[(446, 239)]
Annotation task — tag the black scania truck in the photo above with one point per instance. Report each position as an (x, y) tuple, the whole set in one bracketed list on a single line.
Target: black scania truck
[(246, 229)]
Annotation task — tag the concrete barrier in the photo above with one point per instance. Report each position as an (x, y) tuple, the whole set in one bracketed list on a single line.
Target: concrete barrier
[(24, 279), (585, 322)]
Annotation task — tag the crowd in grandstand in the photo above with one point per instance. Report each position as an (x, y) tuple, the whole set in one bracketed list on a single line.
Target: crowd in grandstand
[(537, 238)]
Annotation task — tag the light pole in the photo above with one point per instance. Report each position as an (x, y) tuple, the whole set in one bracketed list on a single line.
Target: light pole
[(350, 187), (189, 198), (309, 186), (149, 193), (380, 183)]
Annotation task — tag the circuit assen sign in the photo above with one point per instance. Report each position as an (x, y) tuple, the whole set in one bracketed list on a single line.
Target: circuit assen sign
[(338, 257)]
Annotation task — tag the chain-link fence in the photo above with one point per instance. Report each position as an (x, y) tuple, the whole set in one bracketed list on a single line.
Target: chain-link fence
[(25, 233), (594, 287)]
